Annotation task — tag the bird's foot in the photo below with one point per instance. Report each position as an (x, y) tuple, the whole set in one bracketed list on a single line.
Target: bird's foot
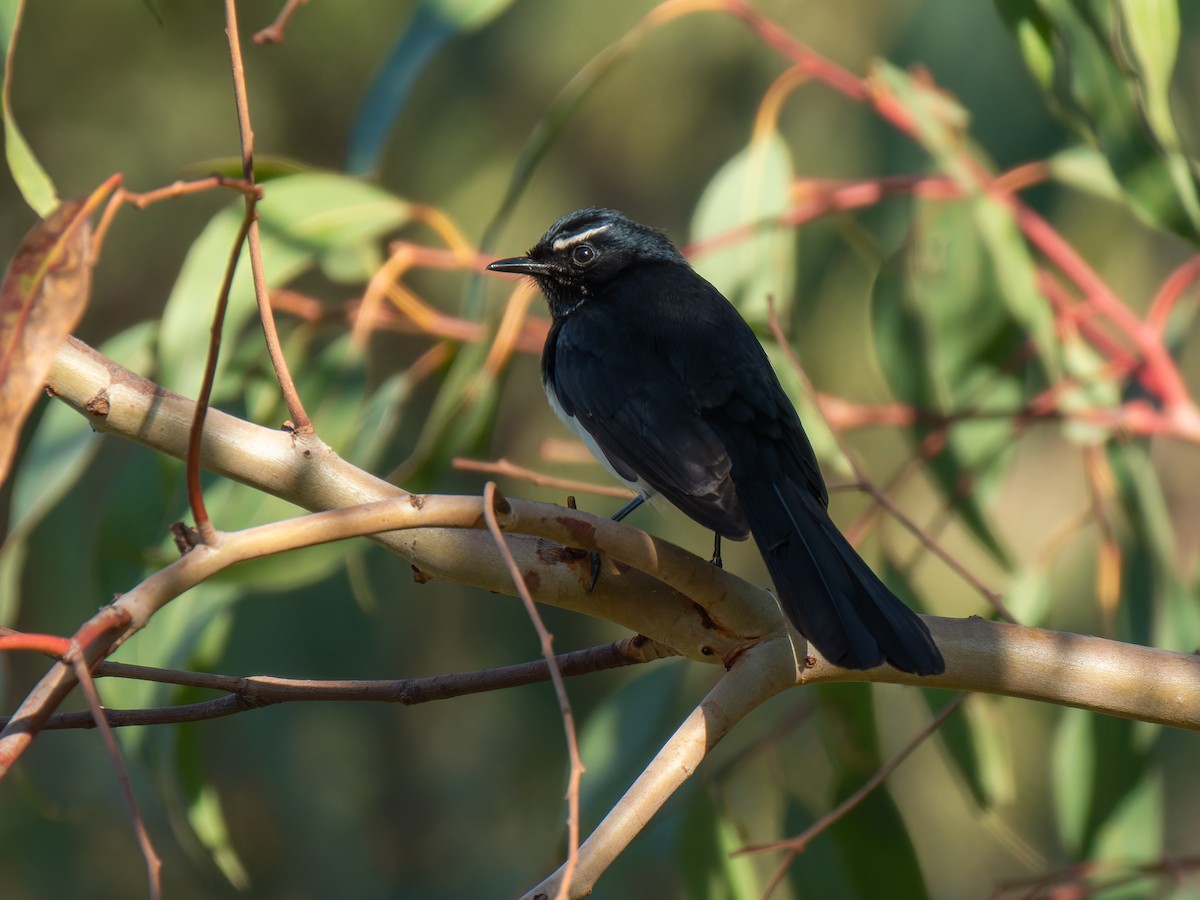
[(595, 561)]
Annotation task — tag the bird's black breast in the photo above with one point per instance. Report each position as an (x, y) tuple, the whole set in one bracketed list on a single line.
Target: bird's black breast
[(674, 387)]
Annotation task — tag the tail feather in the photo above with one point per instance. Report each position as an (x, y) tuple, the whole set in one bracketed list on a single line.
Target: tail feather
[(832, 596)]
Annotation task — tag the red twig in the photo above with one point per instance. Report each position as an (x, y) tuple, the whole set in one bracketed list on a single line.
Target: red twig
[(195, 436), (153, 864), (301, 424), (273, 33), (1170, 292)]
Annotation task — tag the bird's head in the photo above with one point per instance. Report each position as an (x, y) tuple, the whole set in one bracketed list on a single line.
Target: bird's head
[(584, 251)]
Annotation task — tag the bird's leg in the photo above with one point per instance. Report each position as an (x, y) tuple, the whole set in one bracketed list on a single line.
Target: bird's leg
[(617, 517), (716, 557)]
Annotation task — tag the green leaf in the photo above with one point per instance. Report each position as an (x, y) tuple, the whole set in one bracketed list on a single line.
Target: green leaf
[(749, 192), (1155, 600), (707, 841), (31, 179), (946, 342), (1106, 70), (941, 128), (303, 219), (820, 435), (875, 829), (432, 25), (59, 452), (1091, 386), (1134, 832), (460, 420), (1073, 763), (624, 731)]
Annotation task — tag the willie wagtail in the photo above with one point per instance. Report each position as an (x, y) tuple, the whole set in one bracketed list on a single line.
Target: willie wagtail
[(669, 387)]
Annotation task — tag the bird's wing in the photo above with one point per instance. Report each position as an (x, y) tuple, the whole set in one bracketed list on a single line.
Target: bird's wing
[(626, 394)]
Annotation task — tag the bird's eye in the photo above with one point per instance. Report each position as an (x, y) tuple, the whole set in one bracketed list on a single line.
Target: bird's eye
[(583, 255)]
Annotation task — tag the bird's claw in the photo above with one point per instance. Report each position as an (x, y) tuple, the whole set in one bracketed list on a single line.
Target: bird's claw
[(595, 568)]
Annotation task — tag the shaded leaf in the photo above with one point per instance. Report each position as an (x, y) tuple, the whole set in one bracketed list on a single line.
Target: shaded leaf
[(707, 841), (941, 125), (432, 25), (946, 342), (624, 731), (874, 830), (56, 457), (1073, 763), (749, 191), (31, 179), (44, 293), (1134, 832)]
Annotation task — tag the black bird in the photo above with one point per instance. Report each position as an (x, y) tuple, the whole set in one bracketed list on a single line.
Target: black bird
[(670, 388)]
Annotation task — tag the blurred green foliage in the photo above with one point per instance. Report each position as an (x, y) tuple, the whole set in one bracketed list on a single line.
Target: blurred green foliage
[(502, 116)]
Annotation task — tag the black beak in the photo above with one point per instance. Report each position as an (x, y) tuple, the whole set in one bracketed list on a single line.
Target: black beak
[(519, 265)]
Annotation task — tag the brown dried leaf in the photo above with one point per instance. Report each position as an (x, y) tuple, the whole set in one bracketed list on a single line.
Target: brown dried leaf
[(43, 295)]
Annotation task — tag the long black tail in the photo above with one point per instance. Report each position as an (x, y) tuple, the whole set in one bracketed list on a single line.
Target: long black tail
[(828, 592)]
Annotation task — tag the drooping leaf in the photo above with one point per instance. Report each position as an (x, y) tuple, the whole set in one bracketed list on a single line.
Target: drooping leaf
[(941, 128), (946, 342), (432, 25), (31, 179), (1106, 70), (748, 192), (875, 829), (1134, 832), (44, 293), (1073, 763), (708, 840)]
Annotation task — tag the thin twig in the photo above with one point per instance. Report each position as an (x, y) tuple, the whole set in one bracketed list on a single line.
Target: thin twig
[(143, 199), (494, 502), (204, 524), (96, 712), (300, 423), (273, 33), (257, 691), (505, 468)]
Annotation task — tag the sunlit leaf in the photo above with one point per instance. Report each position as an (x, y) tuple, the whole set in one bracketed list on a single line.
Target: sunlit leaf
[(27, 172), (748, 192), (1106, 71), (303, 218)]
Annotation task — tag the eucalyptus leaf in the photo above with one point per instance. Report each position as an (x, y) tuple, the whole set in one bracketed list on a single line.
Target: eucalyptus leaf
[(303, 219), (750, 191), (31, 179)]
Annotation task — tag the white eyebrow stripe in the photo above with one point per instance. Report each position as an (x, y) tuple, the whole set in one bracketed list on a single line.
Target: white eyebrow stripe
[(572, 239)]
